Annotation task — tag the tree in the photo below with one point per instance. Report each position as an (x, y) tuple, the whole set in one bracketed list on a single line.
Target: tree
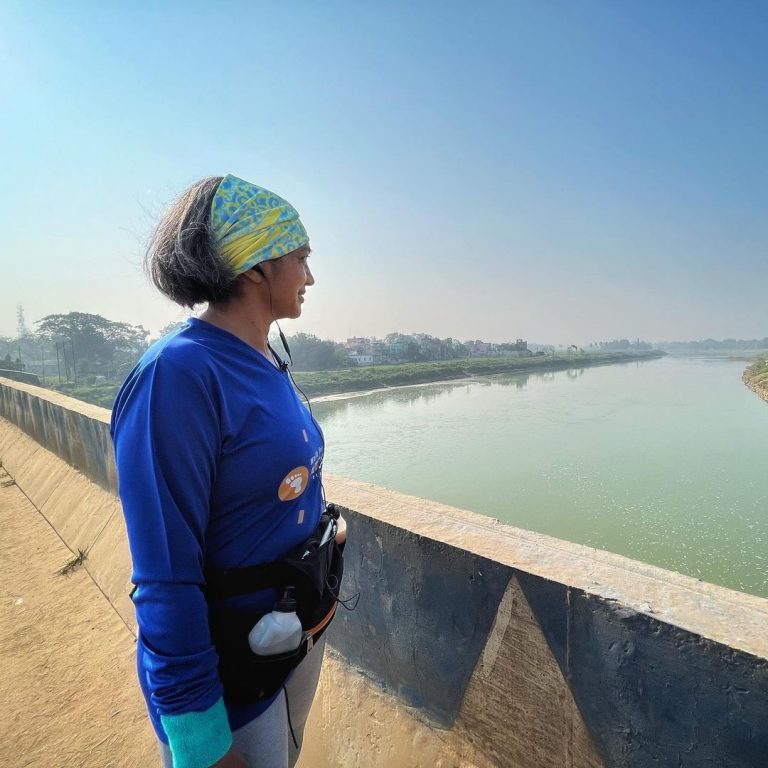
[(312, 354), (413, 353), (8, 364), (97, 345), (7, 347)]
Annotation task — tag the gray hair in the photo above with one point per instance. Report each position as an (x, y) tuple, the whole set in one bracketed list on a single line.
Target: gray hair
[(182, 259)]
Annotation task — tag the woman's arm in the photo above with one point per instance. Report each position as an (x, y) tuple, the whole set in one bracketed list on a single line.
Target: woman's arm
[(166, 434)]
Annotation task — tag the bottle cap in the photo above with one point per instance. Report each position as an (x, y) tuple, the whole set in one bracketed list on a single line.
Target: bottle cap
[(287, 604)]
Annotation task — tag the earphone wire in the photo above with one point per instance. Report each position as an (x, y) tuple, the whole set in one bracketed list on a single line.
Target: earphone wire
[(285, 366), (287, 349)]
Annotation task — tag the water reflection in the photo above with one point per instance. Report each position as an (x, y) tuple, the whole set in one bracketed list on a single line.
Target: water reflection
[(421, 393), (426, 393)]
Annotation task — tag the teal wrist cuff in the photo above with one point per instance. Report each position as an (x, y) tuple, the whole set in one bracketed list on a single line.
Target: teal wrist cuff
[(198, 739)]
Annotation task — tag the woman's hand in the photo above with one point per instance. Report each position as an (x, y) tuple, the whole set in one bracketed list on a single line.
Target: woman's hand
[(233, 759), (341, 531)]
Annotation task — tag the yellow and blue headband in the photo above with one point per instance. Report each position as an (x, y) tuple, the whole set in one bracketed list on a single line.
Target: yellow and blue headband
[(251, 224)]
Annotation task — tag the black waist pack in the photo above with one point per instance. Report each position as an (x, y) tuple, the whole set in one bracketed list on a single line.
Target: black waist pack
[(314, 570)]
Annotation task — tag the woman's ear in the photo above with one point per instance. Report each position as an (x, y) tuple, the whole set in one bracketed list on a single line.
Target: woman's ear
[(254, 274)]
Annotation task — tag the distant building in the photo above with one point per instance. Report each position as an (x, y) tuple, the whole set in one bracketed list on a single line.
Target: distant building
[(478, 348), (518, 349), (360, 360), (400, 347), (396, 346), (356, 344)]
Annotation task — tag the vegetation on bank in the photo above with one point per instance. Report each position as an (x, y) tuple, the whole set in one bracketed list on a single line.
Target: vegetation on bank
[(96, 394), (756, 378), (317, 383)]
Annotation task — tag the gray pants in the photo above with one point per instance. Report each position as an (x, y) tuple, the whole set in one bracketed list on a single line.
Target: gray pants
[(266, 741)]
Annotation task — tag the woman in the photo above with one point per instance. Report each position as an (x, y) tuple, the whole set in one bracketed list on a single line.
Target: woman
[(219, 467)]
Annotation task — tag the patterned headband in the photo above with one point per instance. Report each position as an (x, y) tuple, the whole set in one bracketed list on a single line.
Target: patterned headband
[(251, 224)]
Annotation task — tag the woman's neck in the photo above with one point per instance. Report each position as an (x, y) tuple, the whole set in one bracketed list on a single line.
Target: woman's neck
[(252, 328)]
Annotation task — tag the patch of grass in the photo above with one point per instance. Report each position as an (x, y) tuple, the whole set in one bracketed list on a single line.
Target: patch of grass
[(95, 394), (758, 370), (73, 563)]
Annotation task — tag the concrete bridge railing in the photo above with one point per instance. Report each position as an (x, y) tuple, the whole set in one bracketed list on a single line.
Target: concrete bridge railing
[(473, 643)]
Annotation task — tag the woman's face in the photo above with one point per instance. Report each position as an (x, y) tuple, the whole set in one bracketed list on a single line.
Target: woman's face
[(288, 278)]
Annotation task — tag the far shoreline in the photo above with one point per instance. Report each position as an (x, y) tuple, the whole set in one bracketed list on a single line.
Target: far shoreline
[(392, 377)]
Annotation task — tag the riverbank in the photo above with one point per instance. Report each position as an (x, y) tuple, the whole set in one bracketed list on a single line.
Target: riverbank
[(756, 378), (356, 380), (347, 381)]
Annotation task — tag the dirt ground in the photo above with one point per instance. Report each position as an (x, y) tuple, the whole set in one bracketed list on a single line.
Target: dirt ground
[(68, 692)]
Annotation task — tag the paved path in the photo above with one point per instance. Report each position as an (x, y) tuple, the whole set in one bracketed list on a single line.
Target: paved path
[(68, 690)]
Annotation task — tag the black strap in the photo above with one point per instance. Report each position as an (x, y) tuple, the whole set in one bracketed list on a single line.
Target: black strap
[(241, 581), (232, 582)]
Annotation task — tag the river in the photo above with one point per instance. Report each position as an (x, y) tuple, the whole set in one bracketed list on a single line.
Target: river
[(663, 461)]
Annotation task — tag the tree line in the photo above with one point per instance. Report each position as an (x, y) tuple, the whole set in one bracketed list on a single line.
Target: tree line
[(79, 347), (84, 348), (72, 346)]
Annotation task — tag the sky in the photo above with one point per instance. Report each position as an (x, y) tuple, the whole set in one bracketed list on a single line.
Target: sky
[(563, 172)]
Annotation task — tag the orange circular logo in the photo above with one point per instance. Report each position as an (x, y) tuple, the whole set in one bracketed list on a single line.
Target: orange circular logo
[(293, 484)]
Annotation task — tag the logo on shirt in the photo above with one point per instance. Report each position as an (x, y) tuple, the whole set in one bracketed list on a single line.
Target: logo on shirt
[(293, 484)]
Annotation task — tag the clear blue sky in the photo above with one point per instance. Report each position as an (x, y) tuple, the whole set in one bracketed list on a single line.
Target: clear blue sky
[(563, 172)]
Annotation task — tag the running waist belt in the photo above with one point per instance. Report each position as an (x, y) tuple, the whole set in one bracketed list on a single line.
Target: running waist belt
[(314, 569)]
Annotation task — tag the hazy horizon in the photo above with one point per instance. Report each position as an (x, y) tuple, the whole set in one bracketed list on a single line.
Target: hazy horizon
[(155, 333), (564, 173)]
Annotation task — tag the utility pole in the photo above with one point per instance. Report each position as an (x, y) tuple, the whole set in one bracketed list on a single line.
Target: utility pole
[(67, 361)]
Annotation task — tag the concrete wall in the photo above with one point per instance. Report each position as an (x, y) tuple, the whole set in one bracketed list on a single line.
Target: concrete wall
[(24, 376), (75, 431), (473, 643), (545, 653)]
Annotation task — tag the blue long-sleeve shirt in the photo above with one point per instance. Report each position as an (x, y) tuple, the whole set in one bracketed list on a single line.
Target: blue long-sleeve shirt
[(219, 465)]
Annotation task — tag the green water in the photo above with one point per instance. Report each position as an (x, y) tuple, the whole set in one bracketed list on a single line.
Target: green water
[(662, 461)]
